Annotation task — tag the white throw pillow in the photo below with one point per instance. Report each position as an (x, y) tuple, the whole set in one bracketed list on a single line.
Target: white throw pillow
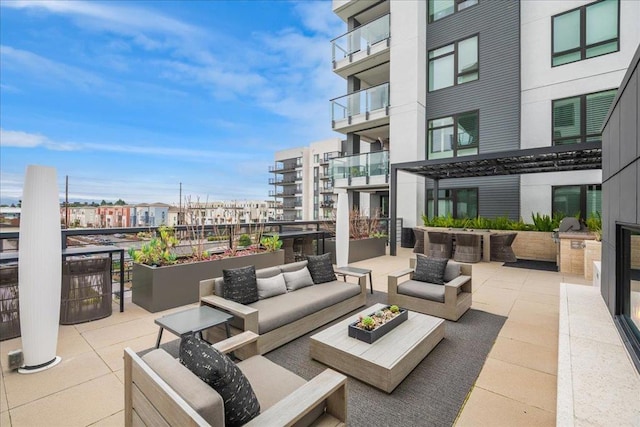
[(272, 286), (298, 279)]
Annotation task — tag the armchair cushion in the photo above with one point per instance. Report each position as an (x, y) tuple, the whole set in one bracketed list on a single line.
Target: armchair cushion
[(219, 371), (271, 286), (422, 290), (297, 279), (451, 271), (430, 270), (321, 268), (240, 284)]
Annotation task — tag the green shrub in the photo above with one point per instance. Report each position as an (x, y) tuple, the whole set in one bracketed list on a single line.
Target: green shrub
[(244, 240)]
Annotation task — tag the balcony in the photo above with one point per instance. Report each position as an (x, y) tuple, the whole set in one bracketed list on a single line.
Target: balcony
[(361, 110), (362, 49), (366, 170), (286, 166), (362, 10), (282, 181), (328, 156)]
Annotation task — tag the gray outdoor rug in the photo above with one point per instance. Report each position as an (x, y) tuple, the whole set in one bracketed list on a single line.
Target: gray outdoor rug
[(431, 395)]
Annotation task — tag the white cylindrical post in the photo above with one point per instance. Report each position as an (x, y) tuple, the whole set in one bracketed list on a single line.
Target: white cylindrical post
[(342, 229), (39, 269)]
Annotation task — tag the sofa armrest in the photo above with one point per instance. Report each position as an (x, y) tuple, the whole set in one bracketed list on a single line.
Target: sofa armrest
[(392, 280), (451, 288), (248, 314), (237, 341), (329, 386)]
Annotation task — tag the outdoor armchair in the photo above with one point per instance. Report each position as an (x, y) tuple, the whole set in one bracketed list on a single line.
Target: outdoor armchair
[(449, 301), (159, 390)]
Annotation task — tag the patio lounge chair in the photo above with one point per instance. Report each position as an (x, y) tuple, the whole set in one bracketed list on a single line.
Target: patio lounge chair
[(159, 390), (418, 248), (448, 301), (501, 247)]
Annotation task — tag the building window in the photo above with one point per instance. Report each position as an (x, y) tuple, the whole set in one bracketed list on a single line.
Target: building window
[(438, 9), (458, 202), (453, 136), (585, 32), (579, 118), (628, 286), (584, 201), (453, 64)]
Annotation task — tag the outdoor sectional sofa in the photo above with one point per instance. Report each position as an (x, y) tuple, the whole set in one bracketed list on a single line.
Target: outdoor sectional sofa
[(282, 318)]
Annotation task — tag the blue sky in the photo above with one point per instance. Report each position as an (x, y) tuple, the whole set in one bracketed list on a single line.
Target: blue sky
[(131, 98)]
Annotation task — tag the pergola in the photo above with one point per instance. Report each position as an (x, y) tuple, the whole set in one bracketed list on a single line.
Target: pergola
[(561, 158)]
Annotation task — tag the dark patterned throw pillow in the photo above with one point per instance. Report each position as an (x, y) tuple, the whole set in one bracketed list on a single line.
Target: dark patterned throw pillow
[(219, 371), (240, 284), (321, 268), (430, 270)]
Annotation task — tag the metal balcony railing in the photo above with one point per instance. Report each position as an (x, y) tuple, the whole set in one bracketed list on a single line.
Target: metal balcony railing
[(360, 165), (361, 102), (328, 156), (361, 38)]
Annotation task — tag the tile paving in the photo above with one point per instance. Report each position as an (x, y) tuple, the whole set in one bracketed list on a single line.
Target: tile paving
[(87, 387)]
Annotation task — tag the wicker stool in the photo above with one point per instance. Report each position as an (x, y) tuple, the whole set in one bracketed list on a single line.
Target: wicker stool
[(440, 244), (86, 290), (501, 247), (418, 248), (468, 248)]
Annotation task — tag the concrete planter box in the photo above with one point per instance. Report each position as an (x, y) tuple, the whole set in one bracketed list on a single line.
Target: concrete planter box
[(161, 288), (360, 249)]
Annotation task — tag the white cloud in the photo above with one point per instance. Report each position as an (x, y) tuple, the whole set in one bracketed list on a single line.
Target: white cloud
[(19, 139)]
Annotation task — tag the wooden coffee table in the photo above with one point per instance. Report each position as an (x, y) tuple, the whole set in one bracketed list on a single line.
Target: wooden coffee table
[(386, 362)]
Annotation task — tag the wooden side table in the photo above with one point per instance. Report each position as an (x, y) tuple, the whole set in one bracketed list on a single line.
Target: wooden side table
[(354, 272), (193, 320)]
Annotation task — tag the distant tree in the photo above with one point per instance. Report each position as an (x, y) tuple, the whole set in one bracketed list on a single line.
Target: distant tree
[(103, 202), (120, 202), (94, 204), (19, 203), (85, 203), (13, 205)]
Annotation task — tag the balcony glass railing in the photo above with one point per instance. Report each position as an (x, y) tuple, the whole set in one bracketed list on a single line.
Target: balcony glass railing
[(361, 102), (360, 165), (361, 38)]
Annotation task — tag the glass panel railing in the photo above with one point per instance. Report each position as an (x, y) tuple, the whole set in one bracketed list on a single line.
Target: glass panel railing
[(363, 101), (361, 38), (359, 165)]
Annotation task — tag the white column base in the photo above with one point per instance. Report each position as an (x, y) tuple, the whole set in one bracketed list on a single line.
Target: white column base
[(40, 368)]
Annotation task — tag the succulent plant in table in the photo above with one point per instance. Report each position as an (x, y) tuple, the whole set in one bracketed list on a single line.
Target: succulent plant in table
[(368, 323)]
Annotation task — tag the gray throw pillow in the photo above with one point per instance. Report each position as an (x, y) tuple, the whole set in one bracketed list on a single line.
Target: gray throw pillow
[(218, 370), (451, 271), (430, 270), (240, 284), (272, 286), (321, 268), (298, 279)]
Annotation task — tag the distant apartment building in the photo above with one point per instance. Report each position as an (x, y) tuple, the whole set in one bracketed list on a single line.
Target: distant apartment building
[(10, 216), (80, 216), (302, 181), (149, 215), (225, 212), (113, 216), (443, 79)]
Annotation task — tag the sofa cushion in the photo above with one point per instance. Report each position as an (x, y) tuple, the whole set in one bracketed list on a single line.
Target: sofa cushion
[(422, 290), (204, 399), (265, 273), (321, 268), (297, 279), (430, 270), (283, 309), (240, 284), (272, 383), (293, 266), (272, 286), (219, 371), (451, 271)]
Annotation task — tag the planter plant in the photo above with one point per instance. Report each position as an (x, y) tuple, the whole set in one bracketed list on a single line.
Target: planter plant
[(161, 279), (372, 327)]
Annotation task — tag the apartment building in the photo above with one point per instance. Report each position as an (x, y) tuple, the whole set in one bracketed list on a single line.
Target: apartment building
[(113, 216), (150, 214), (79, 216), (443, 79), (303, 181), (224, 212)]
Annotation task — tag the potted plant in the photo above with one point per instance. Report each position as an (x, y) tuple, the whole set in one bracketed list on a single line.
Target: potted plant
[(162, 278), (366, 240), (372, 327)]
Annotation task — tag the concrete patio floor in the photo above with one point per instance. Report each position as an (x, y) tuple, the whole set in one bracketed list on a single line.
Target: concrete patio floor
[(517, 385)]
